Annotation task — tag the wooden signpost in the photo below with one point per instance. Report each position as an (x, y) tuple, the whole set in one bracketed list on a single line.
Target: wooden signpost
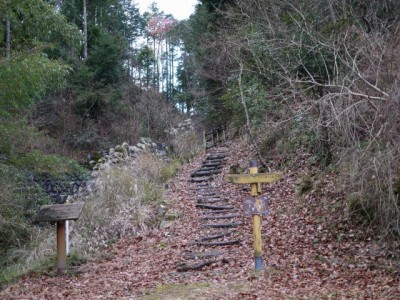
[(60, 213), (256, 205)]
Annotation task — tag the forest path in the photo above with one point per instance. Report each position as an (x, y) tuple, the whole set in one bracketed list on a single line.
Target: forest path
[(309, 251)]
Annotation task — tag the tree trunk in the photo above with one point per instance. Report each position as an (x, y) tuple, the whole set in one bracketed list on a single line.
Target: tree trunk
[(8, 38), (85, 33), (95, 16), (155, 61), (167, 70), (332, 10), (171, 80), (344, 8)]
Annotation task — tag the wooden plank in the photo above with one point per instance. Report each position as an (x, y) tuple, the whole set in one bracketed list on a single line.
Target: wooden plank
[(59, 212), (254, 178)]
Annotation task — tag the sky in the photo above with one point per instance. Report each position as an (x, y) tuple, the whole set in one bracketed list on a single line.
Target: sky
[(180, 9)]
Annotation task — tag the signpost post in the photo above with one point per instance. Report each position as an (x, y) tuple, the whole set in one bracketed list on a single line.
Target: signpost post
[(255, 205)]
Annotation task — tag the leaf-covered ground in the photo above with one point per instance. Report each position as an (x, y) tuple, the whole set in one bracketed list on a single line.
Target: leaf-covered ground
[(310, 252)]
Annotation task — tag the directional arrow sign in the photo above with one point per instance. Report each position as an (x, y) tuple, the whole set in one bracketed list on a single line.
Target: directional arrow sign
[(254, 178)]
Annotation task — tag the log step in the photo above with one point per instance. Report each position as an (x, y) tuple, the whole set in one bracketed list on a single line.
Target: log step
[(219, 244), (197, 266), (201, 179), (201, 185), (213, 161), (212, 164), (222, 211), (207, 194), (216, 156), (210, 168), (212, 200), (205, 173), (195, 255), (215, 236), (220, 217), (222, 225), (213, 207)]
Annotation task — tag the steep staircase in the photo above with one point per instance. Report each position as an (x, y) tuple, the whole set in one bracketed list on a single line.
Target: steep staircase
[(219, 232)]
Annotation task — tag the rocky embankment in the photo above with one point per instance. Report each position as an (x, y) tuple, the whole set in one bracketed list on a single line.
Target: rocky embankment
[(70, 186)]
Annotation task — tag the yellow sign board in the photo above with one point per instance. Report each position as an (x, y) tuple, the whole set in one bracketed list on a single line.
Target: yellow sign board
[(254, 178)]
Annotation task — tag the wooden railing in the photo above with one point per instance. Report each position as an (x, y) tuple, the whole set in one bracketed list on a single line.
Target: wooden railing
[(214, 137)]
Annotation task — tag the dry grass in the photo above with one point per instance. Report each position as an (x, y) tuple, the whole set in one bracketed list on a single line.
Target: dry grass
[(187, 144), (126, 199)]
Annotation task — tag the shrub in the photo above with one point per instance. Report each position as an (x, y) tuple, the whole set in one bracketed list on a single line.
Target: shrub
[(39, 162), (18, 201)]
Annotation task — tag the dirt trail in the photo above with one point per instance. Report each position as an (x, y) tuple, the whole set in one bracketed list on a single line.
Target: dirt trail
[(309, 252)]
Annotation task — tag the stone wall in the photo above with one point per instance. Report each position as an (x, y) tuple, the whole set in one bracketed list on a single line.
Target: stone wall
[(70, 187)]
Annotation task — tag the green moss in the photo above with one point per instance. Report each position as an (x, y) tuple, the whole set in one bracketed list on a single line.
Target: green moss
[(198, 290), (54, 165), (169, 170), (177, 291), (76, 259), (360, 210), (304, 184)]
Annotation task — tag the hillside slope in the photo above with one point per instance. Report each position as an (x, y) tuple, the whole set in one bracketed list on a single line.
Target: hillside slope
[(310, 250)]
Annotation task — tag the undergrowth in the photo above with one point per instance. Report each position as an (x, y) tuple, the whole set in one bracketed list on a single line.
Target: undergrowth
[(125, 199)]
